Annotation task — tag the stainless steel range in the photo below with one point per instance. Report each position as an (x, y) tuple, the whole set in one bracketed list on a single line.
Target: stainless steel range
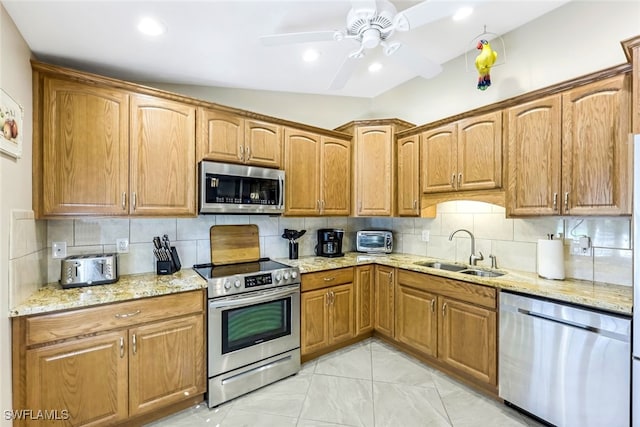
[(253, 326)]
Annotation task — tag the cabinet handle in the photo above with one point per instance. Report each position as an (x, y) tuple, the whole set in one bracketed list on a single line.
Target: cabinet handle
[(121, 347), (333, 297), (390, 278), (135, 344), (247, 152), (126, 315), (415, 204), (329, 279), (444, 309), (326, 298), (124, 200), (433, 305), (453, 180), (459, 179), (318, 205), (322, 204), (134, 200), (566, 202), (241, 154), (555, 201)]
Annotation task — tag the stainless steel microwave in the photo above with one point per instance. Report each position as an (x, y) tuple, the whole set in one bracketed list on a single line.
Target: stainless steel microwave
[(374, 241), (229, 188)]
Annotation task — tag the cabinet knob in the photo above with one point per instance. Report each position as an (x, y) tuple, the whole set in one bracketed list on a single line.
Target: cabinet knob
[(444, 309)]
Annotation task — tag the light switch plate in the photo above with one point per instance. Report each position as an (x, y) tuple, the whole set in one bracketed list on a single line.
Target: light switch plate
[(59, 249), (425, 235)]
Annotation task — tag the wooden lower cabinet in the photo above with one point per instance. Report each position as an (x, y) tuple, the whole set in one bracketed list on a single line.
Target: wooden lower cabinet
[(102, 377), (416, 319), (384, 300), (365, 299), (467, 339)]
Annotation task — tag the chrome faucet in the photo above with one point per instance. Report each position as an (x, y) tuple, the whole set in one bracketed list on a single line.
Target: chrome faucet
[(473, 258)]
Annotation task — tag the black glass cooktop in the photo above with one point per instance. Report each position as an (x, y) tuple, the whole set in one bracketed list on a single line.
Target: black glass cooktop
[(263, 265)]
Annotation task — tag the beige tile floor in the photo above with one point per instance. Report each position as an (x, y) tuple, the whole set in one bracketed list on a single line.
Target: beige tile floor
[(368, 384)]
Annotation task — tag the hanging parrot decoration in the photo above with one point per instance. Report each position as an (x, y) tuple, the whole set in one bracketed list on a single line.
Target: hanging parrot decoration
[(485, 59)]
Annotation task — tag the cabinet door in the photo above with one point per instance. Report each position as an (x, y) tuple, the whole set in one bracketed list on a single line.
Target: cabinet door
[(341, 317), (166, 363), (263, 144), (163, 167), (416, 319), (534, 157), (87, 377), (439, 151), (409, 176), (302, 169), (220, 136), (480, 152), (364, 299), (335, 182), (467, 339), (596, 161), (384, 284), (85, 157), (374, 186), (314, 331)]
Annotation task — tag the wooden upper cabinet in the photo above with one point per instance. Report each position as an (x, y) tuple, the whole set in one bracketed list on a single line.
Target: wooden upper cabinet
[(263, 144), (439, 153), (596, 156), (85, 150), (302, 169), (163, 166), (480, 152), (534, 154), (335, 181), (409, 176), (374, 171), (227, 137), (465, 155), (220, 136)]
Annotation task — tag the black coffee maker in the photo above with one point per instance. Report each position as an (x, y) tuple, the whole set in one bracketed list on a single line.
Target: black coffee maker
[(329, 242)]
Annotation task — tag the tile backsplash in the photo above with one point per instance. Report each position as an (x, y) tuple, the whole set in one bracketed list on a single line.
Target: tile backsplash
[(512, 241)]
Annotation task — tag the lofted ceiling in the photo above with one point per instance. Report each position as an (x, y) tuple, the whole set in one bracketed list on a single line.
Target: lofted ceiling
[(217, 42)]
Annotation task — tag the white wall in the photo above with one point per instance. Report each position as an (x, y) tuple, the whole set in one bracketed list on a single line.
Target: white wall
[(15, 183)]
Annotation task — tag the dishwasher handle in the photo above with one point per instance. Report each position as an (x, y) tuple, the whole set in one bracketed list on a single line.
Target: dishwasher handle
[(599, 331)]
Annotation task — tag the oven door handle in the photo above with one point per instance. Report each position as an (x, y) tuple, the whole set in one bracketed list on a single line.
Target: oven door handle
[(242, 300)]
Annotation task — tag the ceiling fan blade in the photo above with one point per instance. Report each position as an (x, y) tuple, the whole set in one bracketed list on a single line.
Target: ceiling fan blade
[(293, 38), (424, 13), (344, 73), (425, 67)]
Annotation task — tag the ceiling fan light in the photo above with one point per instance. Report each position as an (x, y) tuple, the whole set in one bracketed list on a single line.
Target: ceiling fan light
[(370, 38), (151, 27), (375, 67), (462, 13), (310, 55)]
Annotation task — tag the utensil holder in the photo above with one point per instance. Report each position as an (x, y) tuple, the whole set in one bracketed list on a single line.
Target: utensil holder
[(169, 267), (293, 250)]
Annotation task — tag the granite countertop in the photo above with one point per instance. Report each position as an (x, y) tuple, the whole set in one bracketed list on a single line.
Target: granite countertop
[(52, 297), (609, 297)]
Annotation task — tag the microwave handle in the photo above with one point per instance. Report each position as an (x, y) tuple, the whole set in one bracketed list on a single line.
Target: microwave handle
[(281, 199)]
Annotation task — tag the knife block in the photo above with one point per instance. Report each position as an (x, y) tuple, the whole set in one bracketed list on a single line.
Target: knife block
[(169, 267)]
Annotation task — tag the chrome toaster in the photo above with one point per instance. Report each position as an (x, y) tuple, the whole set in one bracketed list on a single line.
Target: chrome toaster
[(87, 270)]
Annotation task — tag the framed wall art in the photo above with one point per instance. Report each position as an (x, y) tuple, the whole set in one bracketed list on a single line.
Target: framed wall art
[(11, 121)]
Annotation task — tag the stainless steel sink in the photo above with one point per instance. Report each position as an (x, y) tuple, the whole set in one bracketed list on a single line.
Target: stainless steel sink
[(481, 273), (442, 265)]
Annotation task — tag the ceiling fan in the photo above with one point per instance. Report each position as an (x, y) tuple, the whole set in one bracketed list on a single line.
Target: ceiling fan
[(372, 23)]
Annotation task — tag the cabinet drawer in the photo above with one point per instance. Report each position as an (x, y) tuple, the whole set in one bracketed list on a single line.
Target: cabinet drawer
[(463, 291), (322, 279), (73, 323)]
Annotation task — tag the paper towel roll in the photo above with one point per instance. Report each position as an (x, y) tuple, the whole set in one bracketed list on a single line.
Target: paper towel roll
[(551, 259)]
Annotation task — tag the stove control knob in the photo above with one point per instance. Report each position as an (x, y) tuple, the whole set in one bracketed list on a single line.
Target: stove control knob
[(294, 274), (227, 284), (236, 283), (278, 276), (286, 275)]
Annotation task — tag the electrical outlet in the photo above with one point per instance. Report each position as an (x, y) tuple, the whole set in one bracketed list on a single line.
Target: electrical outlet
[(425, 235), (581, 246), (59, 249), (122, 246)]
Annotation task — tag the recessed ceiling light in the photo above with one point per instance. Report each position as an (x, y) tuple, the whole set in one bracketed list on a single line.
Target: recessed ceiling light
[(375, 67), (462, 13), (310, 55), (151, 27)]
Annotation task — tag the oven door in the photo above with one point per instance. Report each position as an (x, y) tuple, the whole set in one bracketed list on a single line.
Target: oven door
[(253, 326)]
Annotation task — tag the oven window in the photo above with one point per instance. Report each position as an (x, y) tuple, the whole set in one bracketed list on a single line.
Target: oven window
[(372, 241), (246, 326), (241, 190)]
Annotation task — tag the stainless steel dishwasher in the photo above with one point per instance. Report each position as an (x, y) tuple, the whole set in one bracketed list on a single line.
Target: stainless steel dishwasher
[(568, 365)]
